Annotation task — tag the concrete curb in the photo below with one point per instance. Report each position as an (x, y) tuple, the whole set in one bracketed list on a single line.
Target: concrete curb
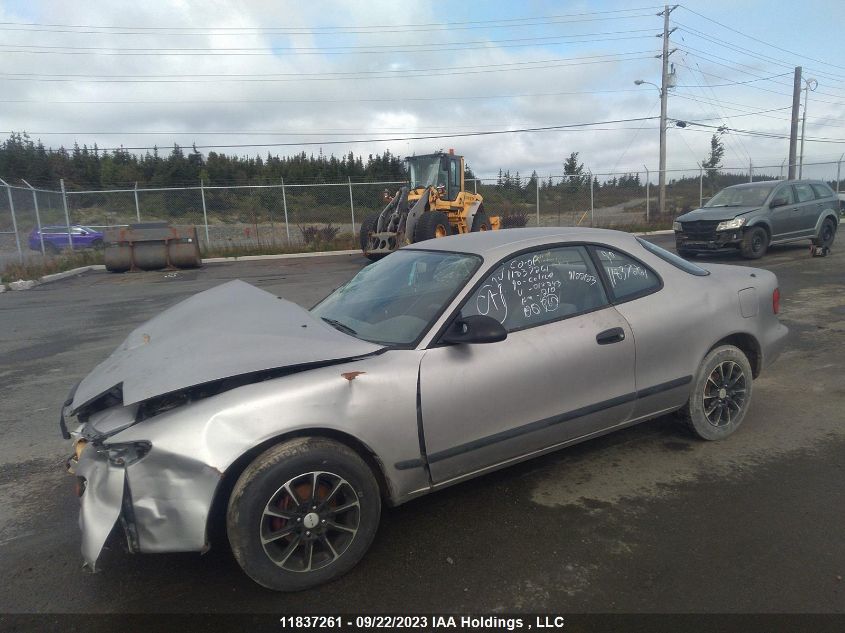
[(46, 279)]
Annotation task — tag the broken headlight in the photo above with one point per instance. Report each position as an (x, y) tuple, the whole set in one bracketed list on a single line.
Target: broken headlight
[(729, 225), (126, 454)]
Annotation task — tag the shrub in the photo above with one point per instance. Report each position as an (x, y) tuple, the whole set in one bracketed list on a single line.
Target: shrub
[(515, 219), (313, 234)]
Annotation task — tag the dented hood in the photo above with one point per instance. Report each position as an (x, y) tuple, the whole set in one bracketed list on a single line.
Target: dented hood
[(226, 331)]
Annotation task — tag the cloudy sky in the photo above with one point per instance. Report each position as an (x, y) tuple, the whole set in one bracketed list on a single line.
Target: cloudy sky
[(219, 73)]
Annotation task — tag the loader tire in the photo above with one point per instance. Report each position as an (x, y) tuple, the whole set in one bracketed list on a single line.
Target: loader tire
[(481, 221), (369, 224), (432, 224)]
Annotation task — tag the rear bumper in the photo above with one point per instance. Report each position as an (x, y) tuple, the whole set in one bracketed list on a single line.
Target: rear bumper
[(773, 344)]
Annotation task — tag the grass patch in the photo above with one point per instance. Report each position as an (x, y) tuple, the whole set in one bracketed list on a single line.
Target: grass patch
[(36, 269), (342, 243)]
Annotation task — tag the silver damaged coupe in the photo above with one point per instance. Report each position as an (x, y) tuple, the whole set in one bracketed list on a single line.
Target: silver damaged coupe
[(438, 363)]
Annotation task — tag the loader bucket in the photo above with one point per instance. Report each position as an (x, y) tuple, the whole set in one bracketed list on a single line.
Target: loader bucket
[(151, 246)]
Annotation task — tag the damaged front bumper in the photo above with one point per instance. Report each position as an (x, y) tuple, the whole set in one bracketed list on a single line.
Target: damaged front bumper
[(101, 488)]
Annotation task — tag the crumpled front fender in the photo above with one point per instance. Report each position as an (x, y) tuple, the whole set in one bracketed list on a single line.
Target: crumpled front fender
[(101, 501)]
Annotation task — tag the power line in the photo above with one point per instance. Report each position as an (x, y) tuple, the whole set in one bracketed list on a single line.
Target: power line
[(326, 50), (731, 83), (405, 138), (338, 76), (331, 28), (769, 44), (402, 99), (239, 31)]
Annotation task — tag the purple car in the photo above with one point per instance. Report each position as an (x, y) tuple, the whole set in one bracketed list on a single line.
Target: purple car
[(55, 238)]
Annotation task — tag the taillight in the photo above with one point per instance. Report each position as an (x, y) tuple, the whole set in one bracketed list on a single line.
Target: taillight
[(776, 301)]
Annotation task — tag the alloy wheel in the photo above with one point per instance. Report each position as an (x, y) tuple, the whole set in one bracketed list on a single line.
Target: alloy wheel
[(724, 393), (310, 521)]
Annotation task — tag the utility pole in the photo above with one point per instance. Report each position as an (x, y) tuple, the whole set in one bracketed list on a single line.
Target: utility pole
[(664, 93), (809, 84), (793, 129)]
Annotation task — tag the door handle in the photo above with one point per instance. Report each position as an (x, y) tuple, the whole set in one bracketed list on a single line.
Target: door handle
[(614, 335)]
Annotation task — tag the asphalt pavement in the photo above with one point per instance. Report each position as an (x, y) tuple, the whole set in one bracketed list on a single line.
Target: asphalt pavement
[(645, 520)]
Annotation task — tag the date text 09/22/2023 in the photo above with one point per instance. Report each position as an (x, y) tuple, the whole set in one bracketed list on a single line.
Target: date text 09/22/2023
[(502, 623)]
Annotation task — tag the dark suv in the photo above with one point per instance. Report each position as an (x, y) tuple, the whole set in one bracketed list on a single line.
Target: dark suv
[(752, 216)]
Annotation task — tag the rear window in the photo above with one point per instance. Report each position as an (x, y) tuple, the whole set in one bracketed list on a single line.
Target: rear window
[(675, 260), (822, 191)]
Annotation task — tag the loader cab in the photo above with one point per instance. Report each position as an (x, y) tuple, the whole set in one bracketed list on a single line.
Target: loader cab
[(437, 170)]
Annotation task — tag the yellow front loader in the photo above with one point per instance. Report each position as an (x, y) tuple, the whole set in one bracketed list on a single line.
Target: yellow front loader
[(434, 204)]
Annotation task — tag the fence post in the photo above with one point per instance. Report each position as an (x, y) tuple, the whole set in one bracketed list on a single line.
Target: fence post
[(592, 206), (780, 173), (14, 221), (351, 206), (67, 214), (838, 171), (700, 185), (204, 213), (750, 171), (537, 182), (137, 206), (285, 207), (475, 185), (37, 215), (647, 195)]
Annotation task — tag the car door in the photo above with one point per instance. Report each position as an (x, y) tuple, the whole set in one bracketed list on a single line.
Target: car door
[(661, 322), (565, 370), (783, 217), (805, 222)]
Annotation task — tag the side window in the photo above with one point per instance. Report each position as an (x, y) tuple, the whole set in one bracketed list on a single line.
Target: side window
[(804, 192), (785, 192), (538, 287), (628, 278), (822, 191)]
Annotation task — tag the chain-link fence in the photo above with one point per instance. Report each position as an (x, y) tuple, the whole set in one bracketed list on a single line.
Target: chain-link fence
[(37, 221)]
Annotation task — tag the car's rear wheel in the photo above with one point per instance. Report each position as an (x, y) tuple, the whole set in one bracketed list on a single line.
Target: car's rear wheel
[(827, 234), (97, 245), (303, 513), (721, 394), (755, 242), (50, 248)]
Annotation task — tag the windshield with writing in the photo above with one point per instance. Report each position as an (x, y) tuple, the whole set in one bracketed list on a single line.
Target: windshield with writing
[(394, 300), (425, 171), (745, 196)]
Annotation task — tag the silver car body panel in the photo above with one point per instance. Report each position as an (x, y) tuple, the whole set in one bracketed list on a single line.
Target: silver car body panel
[(230, 330), (434, 415)]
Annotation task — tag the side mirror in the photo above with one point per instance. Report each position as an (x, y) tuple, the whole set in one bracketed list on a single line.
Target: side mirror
[(475, 329), (780, 201)]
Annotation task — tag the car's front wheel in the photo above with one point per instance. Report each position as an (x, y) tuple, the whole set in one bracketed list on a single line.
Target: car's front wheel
[(754, 243), (721, 394), (303, 513)]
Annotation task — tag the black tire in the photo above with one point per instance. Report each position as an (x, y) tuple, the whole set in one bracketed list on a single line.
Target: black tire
[(369, 224), (755, 243), (432, 224), (97, 245), (51, 249), (266, 485), (827, 234), (481, 221), (714, 414)]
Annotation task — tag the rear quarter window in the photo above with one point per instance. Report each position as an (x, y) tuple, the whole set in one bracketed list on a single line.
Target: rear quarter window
[(627, 277), (822, 191)]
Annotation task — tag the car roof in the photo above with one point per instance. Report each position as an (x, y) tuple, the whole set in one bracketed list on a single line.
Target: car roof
[(497, 243), (772, 183)]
